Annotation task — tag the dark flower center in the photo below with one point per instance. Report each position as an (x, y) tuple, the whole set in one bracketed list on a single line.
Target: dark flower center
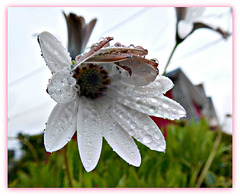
[(92, 79)]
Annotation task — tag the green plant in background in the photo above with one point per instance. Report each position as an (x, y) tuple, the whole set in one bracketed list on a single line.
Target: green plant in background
[(188, 150)]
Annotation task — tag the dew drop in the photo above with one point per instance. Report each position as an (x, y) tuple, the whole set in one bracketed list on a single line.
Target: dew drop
[(71, 81), (64, 120), (166, 106), (120, 115), (154, 100), (64, 81), (133, 125), (157, 136), (60, 130), (146, 127), (131, 133), (94, 122), (51, 137), (129, 91), (110, 132), (89, 161), (152, 109), (147, 139)]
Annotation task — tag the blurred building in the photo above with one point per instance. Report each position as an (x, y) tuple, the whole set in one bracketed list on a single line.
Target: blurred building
[(192, 98)]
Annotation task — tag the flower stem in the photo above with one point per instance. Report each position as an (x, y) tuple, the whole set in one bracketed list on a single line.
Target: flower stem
[(170, 57), (210, 158), (67, 167)]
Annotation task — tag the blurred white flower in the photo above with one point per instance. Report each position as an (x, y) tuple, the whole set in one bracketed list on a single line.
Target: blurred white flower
[(109, 92), (190, 19)]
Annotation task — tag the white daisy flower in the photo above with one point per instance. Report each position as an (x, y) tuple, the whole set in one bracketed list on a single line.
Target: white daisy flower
[(109, 92), (190, 19)]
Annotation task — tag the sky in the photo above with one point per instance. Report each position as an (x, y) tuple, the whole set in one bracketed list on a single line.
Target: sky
[(204, 56)]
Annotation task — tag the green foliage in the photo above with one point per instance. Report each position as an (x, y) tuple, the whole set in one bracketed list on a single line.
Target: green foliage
[(188, 149)]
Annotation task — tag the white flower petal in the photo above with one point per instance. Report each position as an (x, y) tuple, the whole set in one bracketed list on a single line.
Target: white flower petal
[(161, 85), (89, 133), (184, 28), (141, 71), (62, 87), (53, 52), (61, 125), (139, 125), (159, 106), (120, 141)]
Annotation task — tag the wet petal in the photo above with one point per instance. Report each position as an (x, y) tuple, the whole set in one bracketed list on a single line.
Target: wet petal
[(61, 125), (53, 52), (142, 71), (89, 133), (120, 141), (62, 87), (116, 54), (161, 85), (139, 125), (159, 106), (138, 50), (108, 58)]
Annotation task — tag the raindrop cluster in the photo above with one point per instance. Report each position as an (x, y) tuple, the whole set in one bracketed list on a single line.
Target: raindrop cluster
[(145, 131), (159, 106), (62, 87)]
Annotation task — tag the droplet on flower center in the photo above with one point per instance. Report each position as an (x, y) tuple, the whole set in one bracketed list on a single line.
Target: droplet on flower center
[(92, 79)]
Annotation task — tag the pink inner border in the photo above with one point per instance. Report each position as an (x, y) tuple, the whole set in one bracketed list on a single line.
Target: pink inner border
[(125, 189)]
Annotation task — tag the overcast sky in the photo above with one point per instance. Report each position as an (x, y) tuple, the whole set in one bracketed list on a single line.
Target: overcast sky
[(204, 56)]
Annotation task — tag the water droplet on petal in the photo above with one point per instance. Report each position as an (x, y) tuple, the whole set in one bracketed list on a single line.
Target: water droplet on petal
[(64, 81), (89, 161), (147, 139), (71, 81), (131, 133), (146, 127), (133, 125), (157, 136), (166, 106), (51, 137), (154, 100)]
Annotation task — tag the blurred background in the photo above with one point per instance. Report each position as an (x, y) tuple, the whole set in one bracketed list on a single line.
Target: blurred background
[(198, 147)]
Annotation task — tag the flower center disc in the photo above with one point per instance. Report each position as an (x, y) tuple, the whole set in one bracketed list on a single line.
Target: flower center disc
[(92, 79)]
